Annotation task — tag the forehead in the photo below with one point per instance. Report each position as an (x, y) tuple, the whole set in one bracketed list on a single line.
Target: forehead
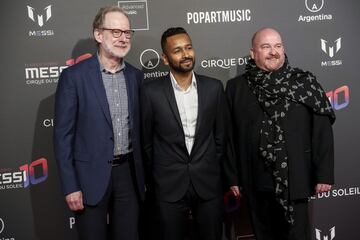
[(116, 20), (270, 37), (178, 40)]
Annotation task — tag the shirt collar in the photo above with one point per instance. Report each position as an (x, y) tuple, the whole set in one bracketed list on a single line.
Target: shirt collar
[(102, 68), (176, 85)]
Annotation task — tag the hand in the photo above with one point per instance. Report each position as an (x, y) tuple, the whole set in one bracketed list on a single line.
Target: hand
[(322, 187), (75, 201), (235, 190)]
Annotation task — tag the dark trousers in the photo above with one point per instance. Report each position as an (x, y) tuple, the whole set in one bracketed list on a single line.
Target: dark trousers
[(269, 221), (206, 217), (120, 202)]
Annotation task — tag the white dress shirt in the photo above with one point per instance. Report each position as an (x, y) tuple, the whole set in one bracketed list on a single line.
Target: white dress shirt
[(187, 103)]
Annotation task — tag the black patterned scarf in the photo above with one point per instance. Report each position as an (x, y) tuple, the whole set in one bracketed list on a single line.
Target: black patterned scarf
[(277, 92)]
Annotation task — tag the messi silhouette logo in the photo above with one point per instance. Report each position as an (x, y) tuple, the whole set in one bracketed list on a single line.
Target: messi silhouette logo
[(40, 18), (325, 237), (330, 50)]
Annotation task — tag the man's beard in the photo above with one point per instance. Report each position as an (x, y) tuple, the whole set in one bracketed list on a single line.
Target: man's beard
[(180, 68), (116, 54)]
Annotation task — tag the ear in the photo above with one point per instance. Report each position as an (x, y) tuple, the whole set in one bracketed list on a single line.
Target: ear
[(98, 35), (164, 59), (252, 53)]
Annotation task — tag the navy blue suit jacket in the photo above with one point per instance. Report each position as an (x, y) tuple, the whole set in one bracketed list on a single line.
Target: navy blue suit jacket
[(83, 133)]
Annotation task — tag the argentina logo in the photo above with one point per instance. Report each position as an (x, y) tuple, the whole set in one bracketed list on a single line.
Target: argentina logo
[(314, 5)]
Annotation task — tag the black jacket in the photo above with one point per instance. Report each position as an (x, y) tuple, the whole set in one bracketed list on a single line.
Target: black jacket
[(172, 167), (308, 136)]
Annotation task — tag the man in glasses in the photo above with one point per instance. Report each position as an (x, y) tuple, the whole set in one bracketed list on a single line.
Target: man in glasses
[(97, 137)]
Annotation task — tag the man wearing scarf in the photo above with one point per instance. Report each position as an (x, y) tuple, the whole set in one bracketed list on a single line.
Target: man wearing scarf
[(283, 139)]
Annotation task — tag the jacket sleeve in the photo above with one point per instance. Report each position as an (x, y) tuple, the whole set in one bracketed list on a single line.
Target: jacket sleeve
[(232, 152), (223, 136), (64, 131), (322, 149), (146, 131)]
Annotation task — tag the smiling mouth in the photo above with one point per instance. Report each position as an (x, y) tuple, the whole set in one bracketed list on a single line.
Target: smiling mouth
[(122, 47), (187, 61)]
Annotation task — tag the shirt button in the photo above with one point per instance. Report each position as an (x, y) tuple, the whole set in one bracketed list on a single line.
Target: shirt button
[(118, 119), (115, 90), (119, 134)]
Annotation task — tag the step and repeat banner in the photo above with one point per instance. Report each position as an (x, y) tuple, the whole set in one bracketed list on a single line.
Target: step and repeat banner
[(40, 38)]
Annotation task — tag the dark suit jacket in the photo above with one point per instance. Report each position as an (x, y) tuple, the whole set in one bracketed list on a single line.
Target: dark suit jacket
[(308, 136), (166, 155), (83, 133)]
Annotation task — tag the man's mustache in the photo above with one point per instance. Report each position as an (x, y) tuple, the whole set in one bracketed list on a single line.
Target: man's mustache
[(187, 59), (276, 55)]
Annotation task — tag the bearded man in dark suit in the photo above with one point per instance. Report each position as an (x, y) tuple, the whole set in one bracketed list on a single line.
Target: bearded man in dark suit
[(184, 118)]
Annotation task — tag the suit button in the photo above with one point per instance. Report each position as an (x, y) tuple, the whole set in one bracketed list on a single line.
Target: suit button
[(110, 161), (111, 138)]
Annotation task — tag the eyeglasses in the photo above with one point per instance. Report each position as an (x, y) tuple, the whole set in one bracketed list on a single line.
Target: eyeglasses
[(118, 32)]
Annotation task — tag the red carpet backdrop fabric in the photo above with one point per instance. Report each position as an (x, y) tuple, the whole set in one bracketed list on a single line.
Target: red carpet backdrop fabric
[(41, 38)]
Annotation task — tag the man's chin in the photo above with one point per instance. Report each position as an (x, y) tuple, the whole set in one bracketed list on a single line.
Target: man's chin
[(121, 54), (273, 67), (187, 67)]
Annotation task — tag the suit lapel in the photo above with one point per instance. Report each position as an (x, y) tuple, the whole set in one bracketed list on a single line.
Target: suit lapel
[(94, 75), (130, 85), (201, 101), (169, 92)]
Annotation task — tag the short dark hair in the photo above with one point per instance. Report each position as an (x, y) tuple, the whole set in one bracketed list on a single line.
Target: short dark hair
[(171, 32)]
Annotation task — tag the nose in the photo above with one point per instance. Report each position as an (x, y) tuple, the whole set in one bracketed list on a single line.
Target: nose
[(185, 53), (273, 51)]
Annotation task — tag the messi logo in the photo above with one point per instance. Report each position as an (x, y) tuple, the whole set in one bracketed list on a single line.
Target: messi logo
[(320, 236), (331, 50), (39, 19)]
